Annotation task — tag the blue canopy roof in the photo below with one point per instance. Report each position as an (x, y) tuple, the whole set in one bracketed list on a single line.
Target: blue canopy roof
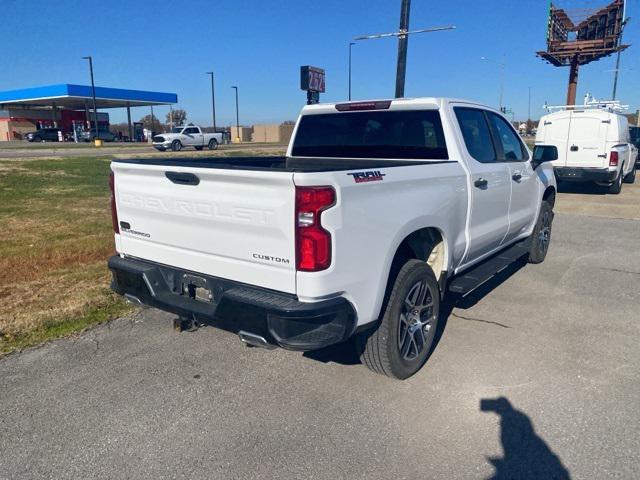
[(75, 96)]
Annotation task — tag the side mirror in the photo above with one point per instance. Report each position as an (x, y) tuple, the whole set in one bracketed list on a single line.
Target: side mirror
[(543, 153)]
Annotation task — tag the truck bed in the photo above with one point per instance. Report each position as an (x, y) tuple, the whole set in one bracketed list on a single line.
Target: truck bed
[(276, 164)]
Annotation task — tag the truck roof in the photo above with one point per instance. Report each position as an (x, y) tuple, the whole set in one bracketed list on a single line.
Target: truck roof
[(393, 104)]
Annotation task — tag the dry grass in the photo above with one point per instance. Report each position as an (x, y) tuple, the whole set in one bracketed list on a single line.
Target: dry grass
[(55, 237)]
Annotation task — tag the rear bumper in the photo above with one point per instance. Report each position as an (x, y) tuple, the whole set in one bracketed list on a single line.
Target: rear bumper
[(572, 174), (278, 317)]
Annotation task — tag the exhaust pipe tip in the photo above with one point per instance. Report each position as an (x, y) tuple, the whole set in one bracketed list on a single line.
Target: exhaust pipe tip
[(254, 340), (133, 299)]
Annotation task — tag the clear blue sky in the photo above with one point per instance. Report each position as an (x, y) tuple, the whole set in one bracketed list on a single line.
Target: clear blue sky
[(259, 46)]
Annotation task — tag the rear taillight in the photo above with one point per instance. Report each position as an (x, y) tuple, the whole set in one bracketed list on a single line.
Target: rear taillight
[(313, 243), (114, 212), (613, 159)]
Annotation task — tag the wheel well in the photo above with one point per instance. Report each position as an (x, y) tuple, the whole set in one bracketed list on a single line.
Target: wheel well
[(550, 195), (426, 244)]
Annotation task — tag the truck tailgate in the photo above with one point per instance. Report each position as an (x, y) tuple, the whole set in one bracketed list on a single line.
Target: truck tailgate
[(232, 224)]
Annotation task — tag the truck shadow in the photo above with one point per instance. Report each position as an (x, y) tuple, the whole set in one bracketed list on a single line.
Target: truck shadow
[(526, 454), (582, 188), (345, 353)]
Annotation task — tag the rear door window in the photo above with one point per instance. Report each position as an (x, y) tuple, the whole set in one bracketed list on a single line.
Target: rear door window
[(513, 150), (407, 134), (476, 134)]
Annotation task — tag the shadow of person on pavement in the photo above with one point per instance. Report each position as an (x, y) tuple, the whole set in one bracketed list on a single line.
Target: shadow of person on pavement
[(526, 455)]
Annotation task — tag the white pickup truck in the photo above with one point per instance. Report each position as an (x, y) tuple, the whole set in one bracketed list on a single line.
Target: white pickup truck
[(376, 211), (187, 136)]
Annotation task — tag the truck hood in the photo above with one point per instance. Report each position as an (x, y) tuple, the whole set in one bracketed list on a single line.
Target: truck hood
[(166, 136)]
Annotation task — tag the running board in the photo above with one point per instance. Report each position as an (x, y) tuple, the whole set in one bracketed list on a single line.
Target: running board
[(480, 273)]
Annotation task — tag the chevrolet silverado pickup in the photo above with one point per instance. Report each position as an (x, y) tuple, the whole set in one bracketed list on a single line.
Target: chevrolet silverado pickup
[(187, 136), (377, 210)]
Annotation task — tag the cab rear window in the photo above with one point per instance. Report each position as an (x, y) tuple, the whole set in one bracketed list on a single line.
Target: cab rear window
[(408, 134)]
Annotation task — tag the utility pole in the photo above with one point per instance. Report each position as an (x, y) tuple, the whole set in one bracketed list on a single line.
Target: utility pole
[(237, 117), (529, 109), (93, 94), (403, 41), (213, 101), (403, 44), (351, 44)]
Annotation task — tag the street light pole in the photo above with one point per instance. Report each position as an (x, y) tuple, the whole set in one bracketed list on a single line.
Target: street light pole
[(213, 101), (351, 44), (93, 94), (237, 117), (529, 109), (502, 71)]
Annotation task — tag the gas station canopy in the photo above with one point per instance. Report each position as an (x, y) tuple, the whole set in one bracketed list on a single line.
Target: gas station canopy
[(76, 97)]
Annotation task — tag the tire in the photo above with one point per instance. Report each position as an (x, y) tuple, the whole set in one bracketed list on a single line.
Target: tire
[(541, 236), (213, 144), (198, 148), (616, 187), (631, 176), (176, 146), (396, 348), (37, 139)]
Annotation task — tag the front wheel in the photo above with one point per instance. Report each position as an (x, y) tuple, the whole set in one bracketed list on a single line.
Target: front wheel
[(401, 343), (541, 236), (176, 146), (213, 144)]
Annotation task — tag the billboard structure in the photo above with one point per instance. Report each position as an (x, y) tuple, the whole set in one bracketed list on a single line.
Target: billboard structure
[(312, 81), (578, 37)]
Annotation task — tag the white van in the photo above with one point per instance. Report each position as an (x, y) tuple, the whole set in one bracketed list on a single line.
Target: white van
[(593, 145)]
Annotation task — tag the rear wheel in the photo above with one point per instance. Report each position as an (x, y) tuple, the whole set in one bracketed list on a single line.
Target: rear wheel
[(616, 187), (401, 343), (176, 146), (631, 176), (213, 144), (541, 236)]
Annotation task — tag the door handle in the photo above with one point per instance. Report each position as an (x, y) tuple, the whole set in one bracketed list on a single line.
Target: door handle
[(481, 183), (517, 176), (574, 148), (182, 178)]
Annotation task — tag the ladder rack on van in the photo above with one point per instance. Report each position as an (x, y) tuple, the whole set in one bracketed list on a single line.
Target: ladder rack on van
[(613, 106)]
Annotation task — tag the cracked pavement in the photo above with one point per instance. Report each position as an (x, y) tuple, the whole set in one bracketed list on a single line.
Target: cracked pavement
[(536, 375)]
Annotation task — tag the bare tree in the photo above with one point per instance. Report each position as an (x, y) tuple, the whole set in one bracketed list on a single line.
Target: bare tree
[(156, 127), (179, 117)]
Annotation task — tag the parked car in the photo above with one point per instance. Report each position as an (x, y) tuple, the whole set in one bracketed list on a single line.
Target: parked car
[(104, 135), (186, 136), (377, 210), (593, 146), (44, 135)]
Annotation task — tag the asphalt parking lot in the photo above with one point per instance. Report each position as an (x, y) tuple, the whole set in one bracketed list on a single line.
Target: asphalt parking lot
[(535, 376)]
